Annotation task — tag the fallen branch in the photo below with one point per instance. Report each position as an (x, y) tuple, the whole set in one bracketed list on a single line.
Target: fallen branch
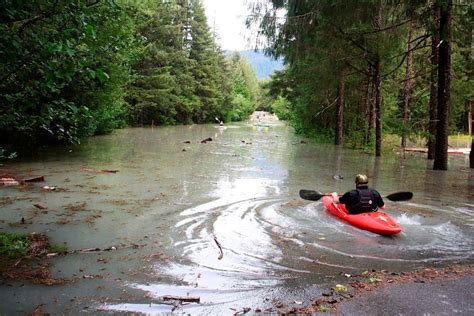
[(188, 299), (41, 207), (99, 170), (35, 179), (88, 250), (221, 255), (204, 141)]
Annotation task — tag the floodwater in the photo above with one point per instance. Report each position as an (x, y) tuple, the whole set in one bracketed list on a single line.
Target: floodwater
[(221, 220)]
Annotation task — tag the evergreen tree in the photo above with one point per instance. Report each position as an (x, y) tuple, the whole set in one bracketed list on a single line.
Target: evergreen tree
[(206, 71), (163, 90)]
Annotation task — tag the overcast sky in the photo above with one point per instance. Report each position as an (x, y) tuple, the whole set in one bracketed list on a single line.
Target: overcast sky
[(228, 17)]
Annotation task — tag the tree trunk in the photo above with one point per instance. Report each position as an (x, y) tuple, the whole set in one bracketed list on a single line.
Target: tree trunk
[(378, 107), (369, 109), (379, 25), (407, 87), (469, 119), (433, 103), (340, 111), (444, 80)]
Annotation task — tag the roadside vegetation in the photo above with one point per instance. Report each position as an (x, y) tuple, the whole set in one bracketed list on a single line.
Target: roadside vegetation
[(357, 72), (22, 257), (13, 245), (72, 69)]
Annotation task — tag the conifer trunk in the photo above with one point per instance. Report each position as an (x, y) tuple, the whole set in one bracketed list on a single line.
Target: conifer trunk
[(368, 109), (407, 87), (444, 80), (340, 111), (433, 103), (379, 22), (378, 107)]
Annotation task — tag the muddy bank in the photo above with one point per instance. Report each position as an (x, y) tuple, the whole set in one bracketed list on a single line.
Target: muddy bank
[(366, 283), (32, 266)]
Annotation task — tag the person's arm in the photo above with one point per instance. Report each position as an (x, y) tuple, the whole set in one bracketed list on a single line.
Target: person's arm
[(335, 197), (345, 199), (378, 200)]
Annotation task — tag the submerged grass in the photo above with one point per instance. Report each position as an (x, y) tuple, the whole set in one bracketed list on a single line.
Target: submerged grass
[(22, 258)]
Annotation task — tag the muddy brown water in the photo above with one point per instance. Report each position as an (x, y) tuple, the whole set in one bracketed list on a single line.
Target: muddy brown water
[(175, 203)]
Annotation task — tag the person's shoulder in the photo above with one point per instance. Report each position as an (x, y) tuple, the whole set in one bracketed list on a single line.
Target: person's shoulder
[(351, 193)]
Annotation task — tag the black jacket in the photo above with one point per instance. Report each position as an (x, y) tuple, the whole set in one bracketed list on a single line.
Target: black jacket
[(362, 199)]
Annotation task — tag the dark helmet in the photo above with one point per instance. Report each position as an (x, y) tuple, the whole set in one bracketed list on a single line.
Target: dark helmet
[(361, 179)]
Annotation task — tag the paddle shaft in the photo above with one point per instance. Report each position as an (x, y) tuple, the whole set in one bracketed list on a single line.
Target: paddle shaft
[(315, 196)]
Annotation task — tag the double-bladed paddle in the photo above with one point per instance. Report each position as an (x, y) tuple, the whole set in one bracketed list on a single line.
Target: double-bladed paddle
[(315, 195)]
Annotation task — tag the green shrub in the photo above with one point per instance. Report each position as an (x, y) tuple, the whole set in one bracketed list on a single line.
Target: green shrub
[(13, 245)]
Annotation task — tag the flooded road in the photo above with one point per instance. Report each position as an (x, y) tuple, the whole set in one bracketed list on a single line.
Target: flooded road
[(222, 220)]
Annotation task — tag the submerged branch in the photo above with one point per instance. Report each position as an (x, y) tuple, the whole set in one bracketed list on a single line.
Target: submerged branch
[(221, 254)]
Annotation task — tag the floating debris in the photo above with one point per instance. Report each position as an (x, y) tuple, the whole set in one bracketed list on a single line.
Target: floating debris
[(7, 181), (188, 299), (204, 141), (34, 179), (99, 170)]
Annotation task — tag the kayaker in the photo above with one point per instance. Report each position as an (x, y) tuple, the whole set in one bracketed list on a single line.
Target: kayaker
[(362, 199)]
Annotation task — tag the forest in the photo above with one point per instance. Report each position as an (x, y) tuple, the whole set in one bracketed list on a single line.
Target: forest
[(358, 70), (354, 70), (72, 69)]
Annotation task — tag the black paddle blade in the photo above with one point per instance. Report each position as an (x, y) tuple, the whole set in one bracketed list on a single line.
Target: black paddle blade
[(310, 195), (400, 196)]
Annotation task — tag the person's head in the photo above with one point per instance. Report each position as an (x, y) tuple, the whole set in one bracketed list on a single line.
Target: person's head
[(361, 179)]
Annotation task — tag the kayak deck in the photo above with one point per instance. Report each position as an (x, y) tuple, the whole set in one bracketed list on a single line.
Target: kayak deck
[(376, 222)]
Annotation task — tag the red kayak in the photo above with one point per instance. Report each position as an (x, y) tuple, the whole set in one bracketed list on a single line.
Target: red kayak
[(376, 222)]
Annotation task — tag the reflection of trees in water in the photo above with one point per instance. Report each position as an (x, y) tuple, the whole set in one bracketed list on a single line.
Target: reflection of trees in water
[(470, 186), (434, 182)]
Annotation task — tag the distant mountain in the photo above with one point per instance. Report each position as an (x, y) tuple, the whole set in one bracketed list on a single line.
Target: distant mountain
[(264, 66)]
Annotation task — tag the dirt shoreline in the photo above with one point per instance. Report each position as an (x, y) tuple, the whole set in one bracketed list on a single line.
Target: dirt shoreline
[(368, 282)]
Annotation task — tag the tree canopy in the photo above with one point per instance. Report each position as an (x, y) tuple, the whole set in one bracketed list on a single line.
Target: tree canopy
[(355, 69), (72, 69)]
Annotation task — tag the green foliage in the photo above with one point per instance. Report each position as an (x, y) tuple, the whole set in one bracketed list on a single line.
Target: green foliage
[(246, 92), (323, 309), (72, 69), (13, 245), (63, 66), (181, 75), (326, 42), (281, 107)]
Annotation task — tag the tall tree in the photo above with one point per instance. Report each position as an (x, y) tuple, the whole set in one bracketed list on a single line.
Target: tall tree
[(204, 52), (245, 88), (433, 102), (444, 81), (407, 86), (163, 89)]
